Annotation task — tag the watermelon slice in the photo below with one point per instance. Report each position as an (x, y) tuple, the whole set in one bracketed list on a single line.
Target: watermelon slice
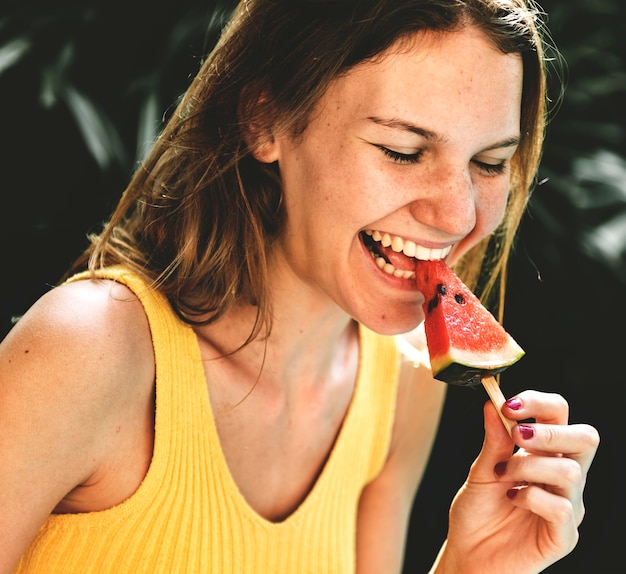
[(465, 341), (466, 344)]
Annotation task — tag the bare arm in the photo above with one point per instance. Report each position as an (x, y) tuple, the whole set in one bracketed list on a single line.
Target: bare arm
[(65, 401), (386, 503)]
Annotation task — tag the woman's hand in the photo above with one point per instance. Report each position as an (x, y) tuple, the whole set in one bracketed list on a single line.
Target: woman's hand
[(519, 513)]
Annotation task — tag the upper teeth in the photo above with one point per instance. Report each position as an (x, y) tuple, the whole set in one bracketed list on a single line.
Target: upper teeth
[(409, 248)]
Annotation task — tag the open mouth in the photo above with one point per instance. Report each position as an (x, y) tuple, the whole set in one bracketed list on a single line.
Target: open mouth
[(396, 256)]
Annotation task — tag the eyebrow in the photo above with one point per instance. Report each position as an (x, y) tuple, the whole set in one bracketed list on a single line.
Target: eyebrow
[(431, 136), (509, 142), (398, 124)]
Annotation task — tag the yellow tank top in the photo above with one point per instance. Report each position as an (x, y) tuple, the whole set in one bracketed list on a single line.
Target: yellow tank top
[(188, 516)]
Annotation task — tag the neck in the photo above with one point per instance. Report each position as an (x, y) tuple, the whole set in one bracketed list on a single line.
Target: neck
[(309, 345)]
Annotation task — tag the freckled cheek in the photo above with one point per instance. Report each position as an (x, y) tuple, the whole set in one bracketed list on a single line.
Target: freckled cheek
[(490, 209)]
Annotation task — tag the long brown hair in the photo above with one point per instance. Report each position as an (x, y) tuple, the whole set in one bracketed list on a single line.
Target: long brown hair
[(200, 214)]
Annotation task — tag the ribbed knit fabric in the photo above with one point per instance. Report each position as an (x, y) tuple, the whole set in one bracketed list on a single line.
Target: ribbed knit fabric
[(188, 515)]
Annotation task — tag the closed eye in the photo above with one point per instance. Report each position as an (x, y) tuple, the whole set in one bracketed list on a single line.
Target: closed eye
[(408, 158), (491, 168)]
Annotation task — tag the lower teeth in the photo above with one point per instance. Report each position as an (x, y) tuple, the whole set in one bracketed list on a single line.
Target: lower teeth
[(390, 269)]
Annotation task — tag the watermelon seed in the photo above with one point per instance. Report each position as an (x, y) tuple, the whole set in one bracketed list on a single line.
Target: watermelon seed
[(459, 299), (432, 304), (441, 289)]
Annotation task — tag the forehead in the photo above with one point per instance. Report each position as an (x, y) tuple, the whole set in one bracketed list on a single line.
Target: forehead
[(445, 78)]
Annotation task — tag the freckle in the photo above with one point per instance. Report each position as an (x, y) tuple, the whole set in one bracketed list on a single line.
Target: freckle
[(26, 351), (117, 429)]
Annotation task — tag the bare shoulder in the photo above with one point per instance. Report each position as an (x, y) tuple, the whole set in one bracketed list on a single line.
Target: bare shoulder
[(80, 331), (76, 368), (87, 306), (84, 349)]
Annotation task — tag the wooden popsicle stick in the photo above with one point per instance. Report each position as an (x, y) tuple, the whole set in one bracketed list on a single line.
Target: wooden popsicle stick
[(497, 398)]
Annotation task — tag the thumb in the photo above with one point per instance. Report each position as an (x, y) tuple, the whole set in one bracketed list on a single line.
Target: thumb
[(497, 446)]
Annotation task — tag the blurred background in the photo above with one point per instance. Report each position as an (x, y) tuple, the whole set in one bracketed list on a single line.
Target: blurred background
[(85, 85)]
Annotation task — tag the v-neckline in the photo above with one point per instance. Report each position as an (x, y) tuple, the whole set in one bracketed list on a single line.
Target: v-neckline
[(322, 477)]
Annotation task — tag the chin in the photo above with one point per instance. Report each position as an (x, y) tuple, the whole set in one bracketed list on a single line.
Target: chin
[(385, 325)]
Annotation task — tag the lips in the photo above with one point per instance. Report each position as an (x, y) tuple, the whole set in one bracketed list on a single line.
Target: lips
[(395, 255)]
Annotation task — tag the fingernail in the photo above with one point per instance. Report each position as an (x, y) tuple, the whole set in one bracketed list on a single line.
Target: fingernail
[(512, 493), (526, 431), (500, 468), (514, 404)]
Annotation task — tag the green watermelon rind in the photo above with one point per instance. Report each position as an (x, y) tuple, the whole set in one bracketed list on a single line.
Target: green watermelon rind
[(464, 376), (471, 370)]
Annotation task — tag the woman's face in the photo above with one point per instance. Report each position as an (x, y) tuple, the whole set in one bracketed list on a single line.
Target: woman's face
[(404, 156)]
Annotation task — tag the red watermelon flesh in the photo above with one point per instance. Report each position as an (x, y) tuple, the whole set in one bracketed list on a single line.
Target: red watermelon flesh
[(465, 341)]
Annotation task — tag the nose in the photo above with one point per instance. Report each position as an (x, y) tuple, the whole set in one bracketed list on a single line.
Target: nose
[(446, 202)]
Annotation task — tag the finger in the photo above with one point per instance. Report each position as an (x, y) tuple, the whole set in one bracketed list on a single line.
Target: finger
[(497, 446), (549, 408), (556, 510), (579, 441), (559, 475), (563, 473)]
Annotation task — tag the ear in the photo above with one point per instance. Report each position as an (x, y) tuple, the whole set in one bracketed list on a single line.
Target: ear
[(255, 109), (265, 151)]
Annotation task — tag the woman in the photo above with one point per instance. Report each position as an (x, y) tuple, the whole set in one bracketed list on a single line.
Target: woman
[(235, 380)]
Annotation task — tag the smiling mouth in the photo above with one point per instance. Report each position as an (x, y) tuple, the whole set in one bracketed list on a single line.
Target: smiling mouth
[(396, 256)]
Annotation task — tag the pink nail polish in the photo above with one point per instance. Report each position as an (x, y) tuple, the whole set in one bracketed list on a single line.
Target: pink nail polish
[(514, 404), (526, 431)]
